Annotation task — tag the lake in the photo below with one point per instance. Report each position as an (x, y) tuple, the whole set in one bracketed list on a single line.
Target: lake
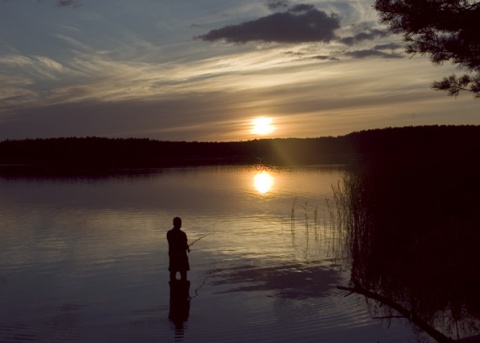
[(84, 259)]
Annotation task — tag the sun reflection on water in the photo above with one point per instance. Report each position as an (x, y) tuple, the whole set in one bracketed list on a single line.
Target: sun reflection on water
[(263, 182)]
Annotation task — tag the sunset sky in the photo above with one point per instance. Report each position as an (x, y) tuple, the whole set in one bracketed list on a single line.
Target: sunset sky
[(205, 70)]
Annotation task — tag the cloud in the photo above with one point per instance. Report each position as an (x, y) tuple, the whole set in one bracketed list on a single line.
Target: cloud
[(62, 3), (390, 46), (364, 36), (276, 4), (34, 66), (301, 23), (371, 53), (324, 58)]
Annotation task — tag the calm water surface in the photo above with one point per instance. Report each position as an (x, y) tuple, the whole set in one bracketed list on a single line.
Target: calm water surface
[(85, 259)]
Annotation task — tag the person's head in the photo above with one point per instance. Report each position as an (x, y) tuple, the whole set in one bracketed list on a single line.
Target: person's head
[(177, 222)]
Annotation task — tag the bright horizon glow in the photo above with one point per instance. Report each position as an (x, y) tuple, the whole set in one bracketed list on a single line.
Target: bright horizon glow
[(263, 182), (262, 126)]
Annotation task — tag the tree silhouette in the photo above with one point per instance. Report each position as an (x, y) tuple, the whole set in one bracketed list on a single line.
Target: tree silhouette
[(446, 30)]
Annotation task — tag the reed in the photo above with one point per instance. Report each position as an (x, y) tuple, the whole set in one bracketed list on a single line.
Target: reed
[(307, 232), (324, 236), (292, 218)]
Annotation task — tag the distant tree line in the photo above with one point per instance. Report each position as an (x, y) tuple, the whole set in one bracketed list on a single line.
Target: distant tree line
[(417, 144), (355, 149), (95, 152)]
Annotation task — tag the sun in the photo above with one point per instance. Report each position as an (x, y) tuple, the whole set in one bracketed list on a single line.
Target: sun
[(262, 126)]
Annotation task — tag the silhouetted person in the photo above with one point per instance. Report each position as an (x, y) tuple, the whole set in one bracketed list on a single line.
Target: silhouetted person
[(177, 251)]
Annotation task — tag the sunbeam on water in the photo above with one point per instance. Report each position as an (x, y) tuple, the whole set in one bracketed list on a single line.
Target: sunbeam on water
[(263, 181)]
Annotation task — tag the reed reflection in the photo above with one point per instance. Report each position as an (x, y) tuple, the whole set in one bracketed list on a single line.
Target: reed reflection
[(413, 241), (263, 181)]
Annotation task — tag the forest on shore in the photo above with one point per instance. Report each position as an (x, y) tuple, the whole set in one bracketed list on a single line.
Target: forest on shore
[(406, 144)]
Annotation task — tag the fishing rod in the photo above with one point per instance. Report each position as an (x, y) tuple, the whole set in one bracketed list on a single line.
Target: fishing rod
[(195, 241)]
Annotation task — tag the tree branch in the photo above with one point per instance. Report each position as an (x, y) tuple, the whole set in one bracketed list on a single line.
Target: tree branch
[(435, 334)]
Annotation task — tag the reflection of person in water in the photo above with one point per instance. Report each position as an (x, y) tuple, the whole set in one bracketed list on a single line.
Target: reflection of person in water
[(179, 307), (177, 251)]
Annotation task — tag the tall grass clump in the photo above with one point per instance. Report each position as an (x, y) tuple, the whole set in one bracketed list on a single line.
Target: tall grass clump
[(349, 216), (324, 228)]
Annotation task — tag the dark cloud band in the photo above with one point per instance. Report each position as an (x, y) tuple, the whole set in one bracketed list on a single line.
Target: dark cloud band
[(301, 23), (365, 36), (66, 2), (276, 4), (372, 53)]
